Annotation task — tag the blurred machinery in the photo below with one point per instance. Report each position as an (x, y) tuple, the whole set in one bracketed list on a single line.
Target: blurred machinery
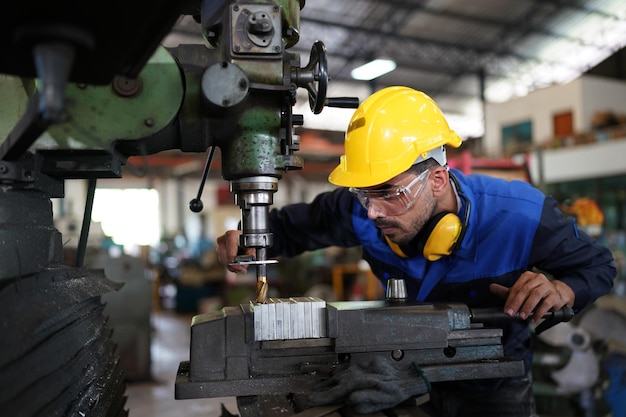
[(128, 311), (580, 366)]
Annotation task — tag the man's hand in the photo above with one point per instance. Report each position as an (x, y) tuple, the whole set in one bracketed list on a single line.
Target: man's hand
[(368, 387), (228, 248), (533, 293)]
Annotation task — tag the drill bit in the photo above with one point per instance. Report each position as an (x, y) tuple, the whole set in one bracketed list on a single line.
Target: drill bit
[(261, 289), (261, 277)]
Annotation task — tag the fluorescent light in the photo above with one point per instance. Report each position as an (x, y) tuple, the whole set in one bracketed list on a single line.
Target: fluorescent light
[(373, 69)]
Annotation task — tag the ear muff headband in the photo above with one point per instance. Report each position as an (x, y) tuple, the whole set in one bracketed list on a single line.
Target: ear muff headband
[(395, 248)]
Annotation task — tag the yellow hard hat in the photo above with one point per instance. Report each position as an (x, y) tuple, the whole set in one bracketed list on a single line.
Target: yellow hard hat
[(389, 132)]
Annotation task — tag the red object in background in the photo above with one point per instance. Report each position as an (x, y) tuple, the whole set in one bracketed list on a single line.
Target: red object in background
[(502, 168), (225, 196)]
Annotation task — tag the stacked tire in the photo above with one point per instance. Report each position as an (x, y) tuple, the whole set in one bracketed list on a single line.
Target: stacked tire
[(57, 357)]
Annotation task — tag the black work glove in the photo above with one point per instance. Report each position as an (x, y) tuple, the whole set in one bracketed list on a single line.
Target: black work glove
[(368, 387)]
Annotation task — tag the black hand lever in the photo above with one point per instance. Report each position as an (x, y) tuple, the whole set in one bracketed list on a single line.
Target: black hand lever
[(342, 102), (564, 314), (480, 315), (196, 205)]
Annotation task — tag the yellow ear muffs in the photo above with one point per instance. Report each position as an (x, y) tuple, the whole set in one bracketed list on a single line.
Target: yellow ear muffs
[(437, 238), (439, 235)]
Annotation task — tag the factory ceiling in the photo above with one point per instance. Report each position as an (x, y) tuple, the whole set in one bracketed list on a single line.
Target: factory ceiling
[(462, 53), (459, 52)]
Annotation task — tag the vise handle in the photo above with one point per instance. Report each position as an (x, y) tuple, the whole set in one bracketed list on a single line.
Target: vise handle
[(481, 315)]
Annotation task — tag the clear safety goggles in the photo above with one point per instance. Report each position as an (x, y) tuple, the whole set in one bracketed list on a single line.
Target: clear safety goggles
[(392, 200)]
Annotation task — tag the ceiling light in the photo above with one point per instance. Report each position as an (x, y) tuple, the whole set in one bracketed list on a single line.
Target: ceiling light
[(373, 69)]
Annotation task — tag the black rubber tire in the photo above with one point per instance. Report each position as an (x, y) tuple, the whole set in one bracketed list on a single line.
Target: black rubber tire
[(56, 353)]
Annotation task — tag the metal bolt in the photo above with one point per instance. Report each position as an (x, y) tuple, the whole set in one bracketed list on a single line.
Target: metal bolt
[(149, 122), (397, 354), (127, 87), (4, 169), (449, 352)]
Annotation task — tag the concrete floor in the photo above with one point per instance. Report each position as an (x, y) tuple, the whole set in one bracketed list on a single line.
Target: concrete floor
[(170, 346)]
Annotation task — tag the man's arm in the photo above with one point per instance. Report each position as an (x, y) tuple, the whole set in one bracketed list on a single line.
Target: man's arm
[(581, 269), (572, 257), (326, 221)]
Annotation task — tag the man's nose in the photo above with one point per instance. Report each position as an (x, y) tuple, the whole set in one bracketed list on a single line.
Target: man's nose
[(373, 212)]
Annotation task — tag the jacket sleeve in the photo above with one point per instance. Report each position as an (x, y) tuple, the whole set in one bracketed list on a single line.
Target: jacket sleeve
[(570, 255), (326, 221)]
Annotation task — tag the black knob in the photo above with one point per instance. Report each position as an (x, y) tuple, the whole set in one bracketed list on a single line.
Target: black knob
[(196, 205)]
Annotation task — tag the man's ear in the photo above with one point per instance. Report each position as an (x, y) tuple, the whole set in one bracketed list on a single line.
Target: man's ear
[(441, 181)]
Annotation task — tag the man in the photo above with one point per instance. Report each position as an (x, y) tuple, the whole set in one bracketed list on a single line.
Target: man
[(472, 239)]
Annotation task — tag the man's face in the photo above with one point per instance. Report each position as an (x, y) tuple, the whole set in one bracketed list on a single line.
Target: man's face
[(401, 206)]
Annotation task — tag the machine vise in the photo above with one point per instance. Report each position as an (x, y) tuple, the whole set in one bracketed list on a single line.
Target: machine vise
[(291, 345)]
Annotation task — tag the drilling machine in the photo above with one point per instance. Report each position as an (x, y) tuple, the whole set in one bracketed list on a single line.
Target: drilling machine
[(77, 82), (95, 81), (237, 94)]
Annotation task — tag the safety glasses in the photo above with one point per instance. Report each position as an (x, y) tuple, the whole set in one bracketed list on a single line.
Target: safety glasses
[(392, 200)]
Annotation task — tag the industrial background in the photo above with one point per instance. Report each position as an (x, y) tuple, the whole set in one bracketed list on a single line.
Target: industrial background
[(113, 142)]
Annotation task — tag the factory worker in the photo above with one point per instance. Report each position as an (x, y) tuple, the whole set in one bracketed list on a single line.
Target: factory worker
[(473, 239)]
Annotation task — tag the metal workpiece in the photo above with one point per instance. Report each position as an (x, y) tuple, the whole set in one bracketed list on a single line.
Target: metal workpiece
[(289, 318), (228, 359)]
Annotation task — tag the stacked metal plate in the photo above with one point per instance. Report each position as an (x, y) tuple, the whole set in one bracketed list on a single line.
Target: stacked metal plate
[(290, 318)]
